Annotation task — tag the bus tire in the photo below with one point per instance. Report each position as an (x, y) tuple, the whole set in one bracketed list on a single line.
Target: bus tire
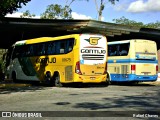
[(48, 79), (57, 81), (14, 77), (108, 81)]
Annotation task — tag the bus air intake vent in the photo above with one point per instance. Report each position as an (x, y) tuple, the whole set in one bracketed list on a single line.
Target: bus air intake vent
[(92, 57), (68, 73)]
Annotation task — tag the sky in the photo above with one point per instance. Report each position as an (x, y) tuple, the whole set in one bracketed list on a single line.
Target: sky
[(146, 11)]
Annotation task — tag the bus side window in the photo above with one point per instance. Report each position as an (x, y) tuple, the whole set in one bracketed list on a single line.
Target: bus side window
[(50, 48), (23, 50), (40, 49), (15, 53), (123, 53), (43, 49), (62, 46), (109, 50), (124, 48), (31, 50), (70, 46), (118, 50), (112, 50)]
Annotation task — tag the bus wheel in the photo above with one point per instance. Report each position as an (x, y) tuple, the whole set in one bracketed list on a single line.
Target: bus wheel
[(108, 82), (57, 81), (14, 77)]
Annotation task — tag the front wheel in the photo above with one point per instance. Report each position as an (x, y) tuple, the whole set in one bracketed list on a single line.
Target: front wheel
[(57, 81), (108, 81)]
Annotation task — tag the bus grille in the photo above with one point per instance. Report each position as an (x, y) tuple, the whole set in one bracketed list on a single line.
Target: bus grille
[(116, 70), (92, 57), (124, 69), (68, 73)]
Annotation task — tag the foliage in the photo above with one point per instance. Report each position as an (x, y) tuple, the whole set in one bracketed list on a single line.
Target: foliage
[(27, 14), (153, 25), (55, 11), (113, 1), (9, 6), (125, 21), (102, 6)]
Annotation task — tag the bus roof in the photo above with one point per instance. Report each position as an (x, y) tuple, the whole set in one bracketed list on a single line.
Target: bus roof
[(43, 39), (126, 41), (119, 42)]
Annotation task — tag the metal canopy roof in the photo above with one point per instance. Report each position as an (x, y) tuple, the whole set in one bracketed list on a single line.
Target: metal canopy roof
[(15, 29)]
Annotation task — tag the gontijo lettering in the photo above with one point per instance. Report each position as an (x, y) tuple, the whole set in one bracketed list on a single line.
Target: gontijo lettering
[(46, 60), (93, 51)]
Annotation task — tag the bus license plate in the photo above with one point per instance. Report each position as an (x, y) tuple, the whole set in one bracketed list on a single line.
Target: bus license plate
[(146, 64), (92, 78)]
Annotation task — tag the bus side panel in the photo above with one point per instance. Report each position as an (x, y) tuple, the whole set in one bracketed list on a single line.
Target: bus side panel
[(122, 72), (63, 64), (22, 64)]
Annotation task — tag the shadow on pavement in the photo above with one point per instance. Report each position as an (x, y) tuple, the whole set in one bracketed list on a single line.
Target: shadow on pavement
[(134, 84), (12, 88)]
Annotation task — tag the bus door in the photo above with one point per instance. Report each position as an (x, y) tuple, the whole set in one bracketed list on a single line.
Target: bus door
[(146, 57), (123, 51), (93, 51), (120, 61)]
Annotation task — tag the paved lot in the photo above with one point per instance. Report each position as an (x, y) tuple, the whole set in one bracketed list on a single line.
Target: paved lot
[(128, 98)]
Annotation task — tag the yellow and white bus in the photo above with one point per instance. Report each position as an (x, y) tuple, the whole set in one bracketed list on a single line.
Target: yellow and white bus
[(132, 61), (76, 58)]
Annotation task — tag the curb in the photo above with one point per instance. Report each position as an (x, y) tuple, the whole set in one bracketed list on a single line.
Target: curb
[(7, 85)]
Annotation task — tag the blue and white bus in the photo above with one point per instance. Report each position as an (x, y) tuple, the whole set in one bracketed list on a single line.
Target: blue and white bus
[(132, 61)]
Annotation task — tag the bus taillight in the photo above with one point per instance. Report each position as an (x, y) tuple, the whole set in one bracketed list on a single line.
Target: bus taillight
[(133, 68), (77, 69), (157, 68), (105, 70)]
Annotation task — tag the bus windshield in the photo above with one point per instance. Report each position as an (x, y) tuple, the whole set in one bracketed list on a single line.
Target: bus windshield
[(145, 50)]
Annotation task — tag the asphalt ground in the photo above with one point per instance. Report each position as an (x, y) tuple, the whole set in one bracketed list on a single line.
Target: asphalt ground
[(8, 84), (117, 100)]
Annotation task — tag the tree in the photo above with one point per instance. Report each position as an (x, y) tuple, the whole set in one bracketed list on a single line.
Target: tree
[(27, 14), (153, 25), (9, 6), (101, 7), (125, 21), (55, 11)]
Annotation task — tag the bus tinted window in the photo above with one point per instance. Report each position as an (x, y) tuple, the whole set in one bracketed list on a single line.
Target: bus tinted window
[(46, 48), (118, 49)]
